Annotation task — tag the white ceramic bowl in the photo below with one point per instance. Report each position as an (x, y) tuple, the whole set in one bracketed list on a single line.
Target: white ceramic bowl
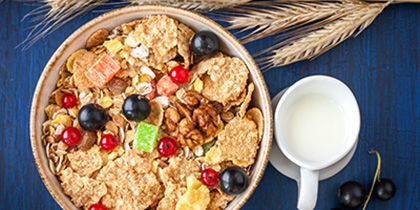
[(228, 44)]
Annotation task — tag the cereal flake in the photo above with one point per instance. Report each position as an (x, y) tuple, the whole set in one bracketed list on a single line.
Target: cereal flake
[(130, 182), (178, 170), (83, 61), (83, 191), (173, 193), (86, 163), (225, 80)]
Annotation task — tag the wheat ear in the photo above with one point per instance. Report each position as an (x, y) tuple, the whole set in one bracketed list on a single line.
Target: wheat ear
[(321, 40), (197, 5), (282, 16), (52, 14)]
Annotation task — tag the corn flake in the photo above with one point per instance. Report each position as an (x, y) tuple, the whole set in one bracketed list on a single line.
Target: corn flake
[(197, 196), (63, 120), (198, 85), (113, 45), (214, 155)]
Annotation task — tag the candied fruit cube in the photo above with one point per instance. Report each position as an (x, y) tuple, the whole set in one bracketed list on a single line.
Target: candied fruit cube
[(165, 86), (145, 138), (103, 70)]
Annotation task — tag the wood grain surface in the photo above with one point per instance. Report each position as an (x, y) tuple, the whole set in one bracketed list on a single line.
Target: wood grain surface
[(381, 66)]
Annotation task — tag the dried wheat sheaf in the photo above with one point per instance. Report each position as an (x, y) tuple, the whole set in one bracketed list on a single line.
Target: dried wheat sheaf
[(52, 14), (308, 28), (305, 28)]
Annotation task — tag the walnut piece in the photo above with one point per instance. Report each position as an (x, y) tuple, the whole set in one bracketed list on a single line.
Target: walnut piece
[(199, 119)]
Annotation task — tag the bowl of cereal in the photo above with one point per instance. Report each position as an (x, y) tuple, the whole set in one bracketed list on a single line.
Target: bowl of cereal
[(151, 107)]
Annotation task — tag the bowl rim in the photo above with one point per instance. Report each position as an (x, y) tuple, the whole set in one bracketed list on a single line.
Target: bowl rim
[(254, 69)]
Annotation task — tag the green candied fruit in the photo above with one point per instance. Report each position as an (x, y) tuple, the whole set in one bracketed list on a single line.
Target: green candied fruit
[(145, 138)]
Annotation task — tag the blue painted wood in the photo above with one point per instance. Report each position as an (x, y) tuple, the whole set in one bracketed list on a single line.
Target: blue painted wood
[(381, 66)]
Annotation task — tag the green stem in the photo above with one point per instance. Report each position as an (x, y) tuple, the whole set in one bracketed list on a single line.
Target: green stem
[(378, 170)]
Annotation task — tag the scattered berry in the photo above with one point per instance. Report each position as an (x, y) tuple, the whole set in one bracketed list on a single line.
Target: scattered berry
[(108, 142), (136, 107), (209, 177), (205, 44), (167, 146), (233, 180), (179, 75), (97, 206), (384, 189), (69, 100), (352, 195), (70, 136), (92, 117)]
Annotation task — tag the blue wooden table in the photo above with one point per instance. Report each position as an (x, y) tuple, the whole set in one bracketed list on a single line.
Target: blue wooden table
[(381, 66)]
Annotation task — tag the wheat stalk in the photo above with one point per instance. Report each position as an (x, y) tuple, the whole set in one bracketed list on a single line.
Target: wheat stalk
[(282, 16), (324, 38), (52, 14), (197, 5)]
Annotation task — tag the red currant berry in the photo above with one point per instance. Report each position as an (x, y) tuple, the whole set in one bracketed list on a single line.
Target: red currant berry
[(97, 206), (179, 75), (209, 177), (167, 146), (108, 142), (70, 136), (69, 100)]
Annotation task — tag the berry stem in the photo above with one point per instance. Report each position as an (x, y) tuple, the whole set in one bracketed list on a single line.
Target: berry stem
[(378, 170)]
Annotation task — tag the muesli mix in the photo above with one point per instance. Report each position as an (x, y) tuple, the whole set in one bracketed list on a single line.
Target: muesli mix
[(151, 115)]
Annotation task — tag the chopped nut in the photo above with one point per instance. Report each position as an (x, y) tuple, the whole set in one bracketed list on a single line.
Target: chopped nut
[(117, 85), (227, 116), (185, 126), (183, 111), (87, 140), (97, 38), (172, 115)]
